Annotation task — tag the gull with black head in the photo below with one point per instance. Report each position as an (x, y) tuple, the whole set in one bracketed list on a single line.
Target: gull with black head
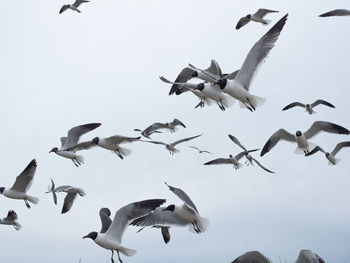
[(11, 219), (330, 155), (256, 17)]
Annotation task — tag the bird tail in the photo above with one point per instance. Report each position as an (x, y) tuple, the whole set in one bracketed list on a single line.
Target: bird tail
[(336, 161), (33, 199), (266, 22), (127, 251), (228, 101), (202, 224), (80, 158), (310, 147), (124, 151)]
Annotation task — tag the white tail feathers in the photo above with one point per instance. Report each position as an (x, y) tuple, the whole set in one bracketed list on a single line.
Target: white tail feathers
[(124, 151), (202, 225), (127, 251), (79, 158), (228, 101), (33, 199)]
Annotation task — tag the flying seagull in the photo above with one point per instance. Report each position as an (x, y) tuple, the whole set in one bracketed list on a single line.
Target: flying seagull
[(171, 146), (112, 143), (256, 17), (199, 150), (330, 155), (231, 160), (171, 126), (308, 107), (307, 256), (250, 159), (110, 236), (302, 138), (11, 219), (336, 12), (22, 185), (239, 87), (70, 145), (71, 191), (73, 6), (185, 215), (252, 257)]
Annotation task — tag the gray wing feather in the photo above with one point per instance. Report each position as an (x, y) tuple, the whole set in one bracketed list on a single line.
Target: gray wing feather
[(242, 22), (326, 126), (236, 141), (77, 3), (258, 163), (263, 12), (118, 139), (231, 76), (326, 103), (339, 146), (165, 233), (63, 140), (293, 104), (241, 154), (12, 215), (219, 161), (185, 75), (315, 150), (25, 179), (183, 196), (81, 146), (185, 139), (336, 12), (176, 122), (274, 139), (68, 202), (75, 133), (258, 53), (106, 221)]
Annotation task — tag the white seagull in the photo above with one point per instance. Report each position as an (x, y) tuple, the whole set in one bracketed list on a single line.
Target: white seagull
[(199, 150), (252, 257), (330, 155), (256, 17), (22, 185), (110, 236), (70, 145), (239, 87), (302, 138), (336, 12), (230, 160), (112, 143), (308, 107), (71, 191), (307, 256), (185, 215), (171, 126), (11, 219), (171, 146), (73, 6)]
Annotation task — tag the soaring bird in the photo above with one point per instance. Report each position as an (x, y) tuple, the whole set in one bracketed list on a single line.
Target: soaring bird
[(155, 127), (22, 185), (330, 155), (336, 12), (301, 138), (256, 17), (11, 219), (308, 107), (70, 143), (110, 236), (73, 6)]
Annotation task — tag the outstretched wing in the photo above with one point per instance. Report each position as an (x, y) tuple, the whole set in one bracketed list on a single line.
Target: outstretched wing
[(106, 221), (336, 12), (339, 146), (81, 146), (12, 215), (77, 3), (183, 196), (118, 139), (258, 163), (25, 179), (263, 12), (274, 139), (242, 22), (185, 139), (219, 161), (326, 126), (177, 122), (315, 150), (236, 141), (185, 75), (68, 202), (294, 104), (75, 133), (326, 103)]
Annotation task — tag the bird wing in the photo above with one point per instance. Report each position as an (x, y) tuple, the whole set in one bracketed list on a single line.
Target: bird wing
[(81, 146), (258, 53), (106, 221), (119, 139), (77, 3), (322, 102), (241, 154), (63, 140), (152, 128), (75, 133), (236, 141), (252, 256), (193, 147), (339, 146), (258, 163), (155, 142), (231, 76), (63, 8), (183, 196), (25, 179), (53, 192), (274, 139), (326, 126), (177, 122), (294, 104), (12, 215), (185, 75), (263, 12), (336, 12), (128, 213), (209, 74), (68, 202), (190, 86), (185, 140), (219, 161), (165, 233), (214, 68), (315, 150), (242, 22)]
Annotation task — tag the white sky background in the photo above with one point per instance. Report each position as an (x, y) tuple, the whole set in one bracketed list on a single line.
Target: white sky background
[(59, 71)]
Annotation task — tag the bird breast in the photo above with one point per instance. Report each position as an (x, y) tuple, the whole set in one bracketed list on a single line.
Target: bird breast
[(106, 243), (301, 141), (14, 194)]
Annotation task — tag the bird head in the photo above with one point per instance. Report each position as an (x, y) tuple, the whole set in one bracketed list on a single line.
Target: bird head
[(2, 189), (170, 208), (307, 105), (222, 83), (230, 156), (95, 140), (91, 235), (327, 154), (298, 133), (200, 87), (249, 16), (55, 149)]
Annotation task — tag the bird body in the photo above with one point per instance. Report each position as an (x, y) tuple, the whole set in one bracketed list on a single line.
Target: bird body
[(11, 219)]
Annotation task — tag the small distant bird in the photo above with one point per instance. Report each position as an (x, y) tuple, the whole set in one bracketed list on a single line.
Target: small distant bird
[(252, 257), (330, 155), (302, 138), (11, 219), (112, 144), (308, 107), (199, 150), (22, 185), (185, 215), (110, 236), (250, 159), (256, 17), (70, 145), (171, 146), (172, 126), (73, 6), (71, 191), (231, 160), (307, 256), (336, 12)]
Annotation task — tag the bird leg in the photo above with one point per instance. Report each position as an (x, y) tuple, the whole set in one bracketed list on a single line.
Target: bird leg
[(112, 256), (120, 260), (251, 105), (27, 204), (119, 154), (74, 163)]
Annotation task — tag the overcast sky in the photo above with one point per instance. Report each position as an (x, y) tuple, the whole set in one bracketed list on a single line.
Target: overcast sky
[(59, 71)]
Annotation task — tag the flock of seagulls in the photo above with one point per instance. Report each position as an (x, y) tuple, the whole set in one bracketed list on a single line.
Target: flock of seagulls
[(222, 89)]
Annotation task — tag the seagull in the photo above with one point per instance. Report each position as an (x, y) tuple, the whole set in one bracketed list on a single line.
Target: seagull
[(74, 6), (171, 146), (252, 257), (11, 219), (308, 107), (336, 12), (185, 215), (69, 144), (199, 150), (330, 155), (22, 185), (157, 126), (110, 236), (256, 17), (250, 159), (307, 256), (239, 87), (302, 138), (112, 144), (71, 191), (230, 160)]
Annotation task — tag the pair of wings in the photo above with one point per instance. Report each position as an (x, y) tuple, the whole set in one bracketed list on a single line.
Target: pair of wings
[(176, 142), (314, 104), (259, 14), (25, 179), (158, 125)]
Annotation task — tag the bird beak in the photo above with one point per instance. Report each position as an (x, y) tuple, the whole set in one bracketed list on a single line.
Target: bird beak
[(85, 236), (50, 151)]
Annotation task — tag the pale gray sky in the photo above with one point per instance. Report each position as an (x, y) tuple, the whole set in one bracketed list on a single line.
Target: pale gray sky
[(59, 71)]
